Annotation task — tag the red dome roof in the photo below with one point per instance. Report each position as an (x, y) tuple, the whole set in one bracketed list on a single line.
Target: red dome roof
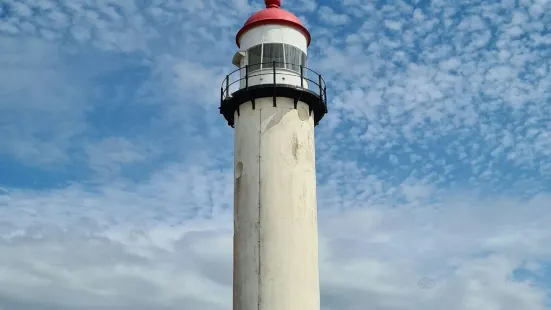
[(273, 15)]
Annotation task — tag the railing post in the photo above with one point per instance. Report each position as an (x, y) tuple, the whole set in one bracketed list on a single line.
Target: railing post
[(274, 68), (325, 96), (221, 98), (247, 76), (227, 85), (321, 91), (301, 76)]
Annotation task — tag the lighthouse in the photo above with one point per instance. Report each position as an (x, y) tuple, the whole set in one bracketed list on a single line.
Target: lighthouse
[(273, 100)]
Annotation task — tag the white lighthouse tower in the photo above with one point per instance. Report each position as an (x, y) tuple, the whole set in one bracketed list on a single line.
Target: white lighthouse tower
[(274, 102)]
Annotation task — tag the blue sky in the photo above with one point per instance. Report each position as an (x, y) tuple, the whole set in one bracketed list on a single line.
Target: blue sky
[(434, 162)]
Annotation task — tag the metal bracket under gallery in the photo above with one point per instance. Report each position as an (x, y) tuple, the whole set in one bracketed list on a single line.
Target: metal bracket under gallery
[(314, 93)]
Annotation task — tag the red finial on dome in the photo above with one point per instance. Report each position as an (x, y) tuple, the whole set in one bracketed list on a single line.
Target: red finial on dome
[(272, 3)]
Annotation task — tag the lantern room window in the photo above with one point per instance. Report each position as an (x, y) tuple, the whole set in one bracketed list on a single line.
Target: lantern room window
[(273, 52), (255, 57), (294, 57), (286, 56)]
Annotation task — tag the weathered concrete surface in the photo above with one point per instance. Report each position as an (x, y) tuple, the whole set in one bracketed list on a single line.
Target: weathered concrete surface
[(276, 240)]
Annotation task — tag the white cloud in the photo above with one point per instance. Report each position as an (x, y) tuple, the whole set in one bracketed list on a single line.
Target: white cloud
[(109, 155), (330, 17), (375, 257), (300, 5), (39, 114)]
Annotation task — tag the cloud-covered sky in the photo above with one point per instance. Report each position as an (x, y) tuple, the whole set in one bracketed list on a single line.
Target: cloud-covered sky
[(434, 162)]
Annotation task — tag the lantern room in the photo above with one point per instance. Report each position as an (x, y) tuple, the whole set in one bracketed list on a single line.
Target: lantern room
[(272, 39), (272, 60)]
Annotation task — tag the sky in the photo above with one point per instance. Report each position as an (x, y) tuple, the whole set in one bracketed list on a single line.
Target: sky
[(433, 163)]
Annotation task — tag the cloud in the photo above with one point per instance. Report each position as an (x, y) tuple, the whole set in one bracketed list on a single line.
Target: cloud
[(375, 257), (109, 155), (78, 62), (39, 113), (330, 17)]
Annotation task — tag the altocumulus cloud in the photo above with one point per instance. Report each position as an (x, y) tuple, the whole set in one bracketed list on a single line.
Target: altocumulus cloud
[(434, 162)]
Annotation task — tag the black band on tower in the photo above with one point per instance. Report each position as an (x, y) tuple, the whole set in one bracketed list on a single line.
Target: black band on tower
[(316, 102)]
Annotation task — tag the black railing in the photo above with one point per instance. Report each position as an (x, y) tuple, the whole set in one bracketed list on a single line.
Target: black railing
[(233, 81)]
